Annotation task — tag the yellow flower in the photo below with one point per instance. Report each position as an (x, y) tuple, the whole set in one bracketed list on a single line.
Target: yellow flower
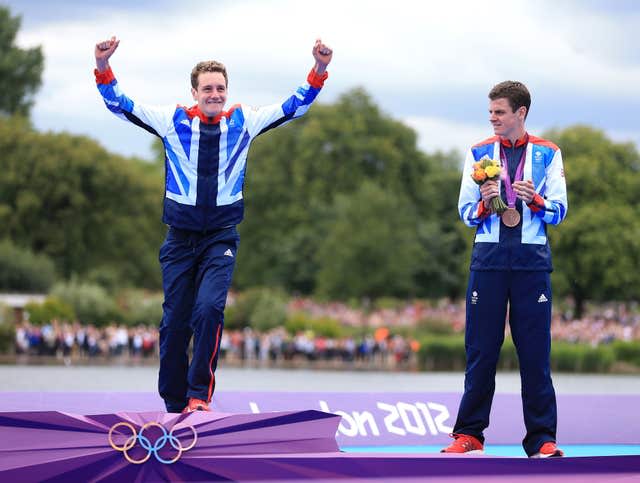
[(492, 171)]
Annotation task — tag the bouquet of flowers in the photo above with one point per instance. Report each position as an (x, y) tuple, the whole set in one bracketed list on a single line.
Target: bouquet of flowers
[(489, 169)]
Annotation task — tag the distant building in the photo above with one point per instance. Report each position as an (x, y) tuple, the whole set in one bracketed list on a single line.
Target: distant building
[(17, 301)]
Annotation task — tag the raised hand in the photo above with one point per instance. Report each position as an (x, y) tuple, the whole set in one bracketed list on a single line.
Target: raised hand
[(322, 54), (103, 51)]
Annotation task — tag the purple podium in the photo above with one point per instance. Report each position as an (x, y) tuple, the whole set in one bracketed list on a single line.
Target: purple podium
[(271, 446)]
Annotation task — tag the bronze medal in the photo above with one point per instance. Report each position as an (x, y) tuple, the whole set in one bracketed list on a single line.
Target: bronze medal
[(510, 217)]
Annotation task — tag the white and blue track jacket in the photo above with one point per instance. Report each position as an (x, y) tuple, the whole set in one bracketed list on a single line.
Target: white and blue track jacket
[(525, 246), (205, 158)]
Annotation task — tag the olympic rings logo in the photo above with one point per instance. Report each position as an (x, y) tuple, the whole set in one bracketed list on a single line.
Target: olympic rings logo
[(145, 443)]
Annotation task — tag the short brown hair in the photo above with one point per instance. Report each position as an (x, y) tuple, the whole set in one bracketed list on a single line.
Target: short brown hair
[(208, 66), (515, 92)]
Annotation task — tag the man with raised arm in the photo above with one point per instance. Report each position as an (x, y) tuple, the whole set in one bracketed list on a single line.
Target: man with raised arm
[(205, 161)]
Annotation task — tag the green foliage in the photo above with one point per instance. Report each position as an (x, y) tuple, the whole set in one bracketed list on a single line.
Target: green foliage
[(259, 308), (448, 353), (20, 69), (140, 307), (360, 256), (322, 326), (389, 303), (108, 277), (66, 197), (597, 246), (347, 184), (6, 314), (298, 322), (52, 308), (597, 359), (434, 326), (596, 250), (91, 303), (7, 337), (566, 357), (270, 311), (442, 353), (627, 352), (23, 271)]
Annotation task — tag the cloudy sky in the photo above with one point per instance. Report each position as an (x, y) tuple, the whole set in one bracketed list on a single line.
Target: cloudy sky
[(429, 64)]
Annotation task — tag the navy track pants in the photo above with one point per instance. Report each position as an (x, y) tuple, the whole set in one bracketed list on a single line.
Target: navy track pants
[(196, 276), (528, 296)]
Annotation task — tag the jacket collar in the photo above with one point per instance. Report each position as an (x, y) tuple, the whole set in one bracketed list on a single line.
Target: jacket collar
[(520, 142), (194, 111)]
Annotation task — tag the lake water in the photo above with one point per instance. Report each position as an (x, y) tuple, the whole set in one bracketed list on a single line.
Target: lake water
[(144, 378)]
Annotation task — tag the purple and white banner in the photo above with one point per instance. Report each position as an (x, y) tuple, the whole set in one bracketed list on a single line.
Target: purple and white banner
[(380, 419)]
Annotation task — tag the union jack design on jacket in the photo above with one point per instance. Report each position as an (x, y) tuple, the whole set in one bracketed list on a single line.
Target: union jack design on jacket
[(524, 247), (206, 158)]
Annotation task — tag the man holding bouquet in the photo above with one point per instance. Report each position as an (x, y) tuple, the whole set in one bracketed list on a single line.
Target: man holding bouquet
[(512, 187)]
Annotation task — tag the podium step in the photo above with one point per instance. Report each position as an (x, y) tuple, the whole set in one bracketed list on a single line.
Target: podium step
[(298, 445)]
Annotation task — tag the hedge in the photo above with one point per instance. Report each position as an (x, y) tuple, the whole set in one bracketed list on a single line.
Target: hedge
[(447, 353)]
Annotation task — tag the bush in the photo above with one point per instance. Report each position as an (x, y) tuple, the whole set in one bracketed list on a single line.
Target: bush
[(270, 311), (6, 314), (108, 278), (597, 359), (51, 308), (442, 353), (259, 308), (140, 307), (389, 303), (566, 357), (434, 326), (91, 303), (327, 327), (323, 326), (23, 271), (627, 352), (233, 318), (298, 322), (7, 337)]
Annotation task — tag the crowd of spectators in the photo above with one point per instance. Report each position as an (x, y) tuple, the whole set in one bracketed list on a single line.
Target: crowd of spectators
[(379, 345), (71, 341), (65, 340)]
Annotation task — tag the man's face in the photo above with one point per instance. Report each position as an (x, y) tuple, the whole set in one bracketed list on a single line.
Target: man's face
[(505, 122), (211, 93)]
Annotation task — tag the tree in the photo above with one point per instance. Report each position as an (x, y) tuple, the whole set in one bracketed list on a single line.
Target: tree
[(66, 197), (597, 249), (297, 172), (23, 271), (20, 69), (371, 248), (597, 253), (446, 241)]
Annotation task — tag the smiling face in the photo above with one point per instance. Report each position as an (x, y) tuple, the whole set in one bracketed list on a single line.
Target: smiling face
[(210, 93)]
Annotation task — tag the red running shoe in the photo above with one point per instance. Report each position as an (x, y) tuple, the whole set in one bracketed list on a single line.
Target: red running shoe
[(196, 405), (548, 450), (463, 443)]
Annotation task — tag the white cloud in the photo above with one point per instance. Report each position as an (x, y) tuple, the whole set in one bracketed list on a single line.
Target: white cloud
[(438, 134), (389, 48)]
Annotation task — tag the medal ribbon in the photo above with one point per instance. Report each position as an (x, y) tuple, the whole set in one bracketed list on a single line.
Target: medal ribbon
[(508, 187)]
